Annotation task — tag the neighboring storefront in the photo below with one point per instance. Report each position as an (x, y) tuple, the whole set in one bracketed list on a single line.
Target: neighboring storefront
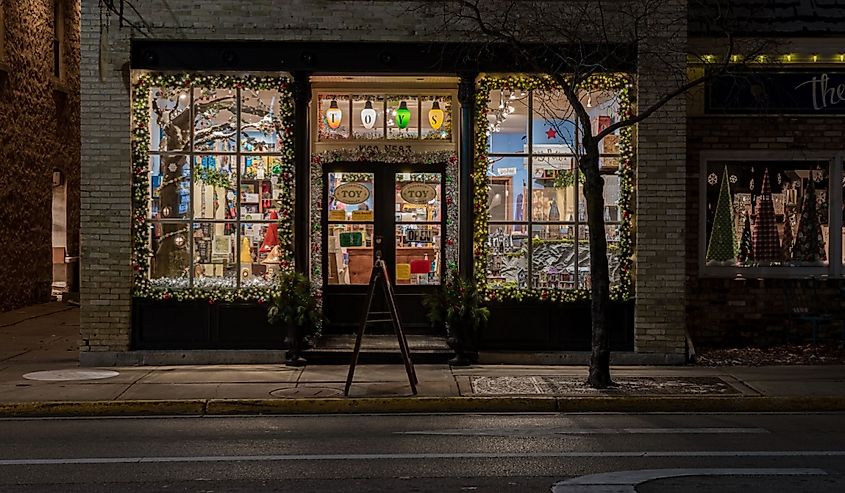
[(250, 158), (766, 172)]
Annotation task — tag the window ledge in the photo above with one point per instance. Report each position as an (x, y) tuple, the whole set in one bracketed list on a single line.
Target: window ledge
[(60, 86)]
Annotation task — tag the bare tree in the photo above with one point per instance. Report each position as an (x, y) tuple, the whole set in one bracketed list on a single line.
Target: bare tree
[(571, 41)]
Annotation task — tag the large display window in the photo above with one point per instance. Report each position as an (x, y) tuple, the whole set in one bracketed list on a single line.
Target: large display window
[(212, 185), (535, 238), (770, 215)]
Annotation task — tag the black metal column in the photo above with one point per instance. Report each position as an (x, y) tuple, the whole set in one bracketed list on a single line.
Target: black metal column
[(302, 169), (466, 97)]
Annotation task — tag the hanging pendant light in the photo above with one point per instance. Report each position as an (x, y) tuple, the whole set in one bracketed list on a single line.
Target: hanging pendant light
[(435, 116), (403, 115), (333, 115), (368, 115)]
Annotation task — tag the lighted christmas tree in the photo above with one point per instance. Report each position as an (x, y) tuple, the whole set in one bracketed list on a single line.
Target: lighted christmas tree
[(722, 245), (809, 242), (788, 240), (765, 230), (746, 245)]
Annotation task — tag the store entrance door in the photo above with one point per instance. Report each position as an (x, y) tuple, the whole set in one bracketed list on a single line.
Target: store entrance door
[(403, 206)]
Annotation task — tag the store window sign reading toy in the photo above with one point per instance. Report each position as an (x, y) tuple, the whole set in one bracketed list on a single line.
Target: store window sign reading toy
[(352, 193), (418, 193)]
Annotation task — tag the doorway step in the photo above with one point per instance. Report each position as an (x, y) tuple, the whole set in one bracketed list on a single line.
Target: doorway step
[(378, 349)]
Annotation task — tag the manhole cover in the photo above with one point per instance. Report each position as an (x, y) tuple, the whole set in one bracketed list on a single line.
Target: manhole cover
[(65, 375), (551, 385), (307, 392)]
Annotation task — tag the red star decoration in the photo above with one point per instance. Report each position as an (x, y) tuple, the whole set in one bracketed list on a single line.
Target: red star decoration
[(551, 133)]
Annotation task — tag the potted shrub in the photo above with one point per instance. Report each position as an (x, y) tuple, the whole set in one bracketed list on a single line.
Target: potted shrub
[(457, 306), (296, 307)]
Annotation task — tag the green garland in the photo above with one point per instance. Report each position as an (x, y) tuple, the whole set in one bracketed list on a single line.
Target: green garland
[(141, 251), (566, 178), (212, 177), (623, 290)]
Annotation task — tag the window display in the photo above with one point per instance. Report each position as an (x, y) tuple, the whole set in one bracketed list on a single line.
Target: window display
[(384, 116), (535, 186), (767, 213), (218, 197)]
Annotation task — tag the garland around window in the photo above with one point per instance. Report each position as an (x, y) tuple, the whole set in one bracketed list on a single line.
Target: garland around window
[(621, 291), (375, 155), (141, 251)]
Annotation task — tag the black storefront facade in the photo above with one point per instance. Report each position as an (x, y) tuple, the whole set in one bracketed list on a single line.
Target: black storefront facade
[(286, 192)]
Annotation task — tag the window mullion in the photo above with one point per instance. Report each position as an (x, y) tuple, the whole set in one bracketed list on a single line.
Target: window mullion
[(835, 216), (189, 236), (577, 219), (238, 187), (530, 214)]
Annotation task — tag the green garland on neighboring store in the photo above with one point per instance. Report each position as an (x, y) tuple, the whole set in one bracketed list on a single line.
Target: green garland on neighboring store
[(141, 251), (621, 291)]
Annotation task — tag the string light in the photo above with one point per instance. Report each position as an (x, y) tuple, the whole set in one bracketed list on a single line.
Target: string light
[(623, 288), (209, 289)]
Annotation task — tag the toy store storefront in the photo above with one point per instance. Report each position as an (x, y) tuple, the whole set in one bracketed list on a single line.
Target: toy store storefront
[(240, 175)]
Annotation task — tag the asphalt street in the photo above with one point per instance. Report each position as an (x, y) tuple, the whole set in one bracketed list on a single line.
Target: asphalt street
[(651, 453)]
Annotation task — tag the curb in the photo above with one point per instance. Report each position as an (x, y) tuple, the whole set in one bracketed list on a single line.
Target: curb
[(376, 405)]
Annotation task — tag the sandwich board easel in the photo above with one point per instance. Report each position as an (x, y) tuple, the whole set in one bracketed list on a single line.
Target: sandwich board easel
[(379, 275)]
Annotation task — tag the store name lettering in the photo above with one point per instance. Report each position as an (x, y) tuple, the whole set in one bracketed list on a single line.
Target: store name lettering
[(387, 148), (824, 95)]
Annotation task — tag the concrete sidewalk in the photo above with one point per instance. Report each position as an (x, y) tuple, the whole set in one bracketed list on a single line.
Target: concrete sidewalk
[(40, 375)]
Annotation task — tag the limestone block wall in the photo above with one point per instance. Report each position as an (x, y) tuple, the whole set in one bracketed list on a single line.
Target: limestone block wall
[(39, 133)]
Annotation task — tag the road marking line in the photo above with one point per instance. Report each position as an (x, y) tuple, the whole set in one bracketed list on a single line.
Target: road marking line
[(421, 456), (588, 431), (626, 481)]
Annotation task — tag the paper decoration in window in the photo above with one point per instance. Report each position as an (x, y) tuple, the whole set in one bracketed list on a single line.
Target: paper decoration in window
[(334, 115), (368, 115), (722, 246)]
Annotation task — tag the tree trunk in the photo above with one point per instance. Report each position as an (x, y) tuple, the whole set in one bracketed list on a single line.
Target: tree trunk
[(599, 376)]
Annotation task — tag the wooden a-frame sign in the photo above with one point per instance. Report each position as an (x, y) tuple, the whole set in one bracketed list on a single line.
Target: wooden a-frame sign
[(379, 276)]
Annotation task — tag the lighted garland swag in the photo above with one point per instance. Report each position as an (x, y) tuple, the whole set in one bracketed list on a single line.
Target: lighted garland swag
[(623, 290), (140, 147), (141, 253)]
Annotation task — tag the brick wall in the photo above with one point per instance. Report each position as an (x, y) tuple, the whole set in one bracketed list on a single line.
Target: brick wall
[(733, 312), (661, 198), (106, 276), (39, 132)]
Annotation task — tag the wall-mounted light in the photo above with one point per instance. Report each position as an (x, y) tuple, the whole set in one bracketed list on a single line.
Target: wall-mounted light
[(815, 57), (435, 116), (333, 115), (788, 57), (403, 115), (368, 115), (734, 58)]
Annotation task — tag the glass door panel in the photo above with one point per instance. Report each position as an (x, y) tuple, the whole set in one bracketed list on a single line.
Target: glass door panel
[(418, 231), (350, 232)]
